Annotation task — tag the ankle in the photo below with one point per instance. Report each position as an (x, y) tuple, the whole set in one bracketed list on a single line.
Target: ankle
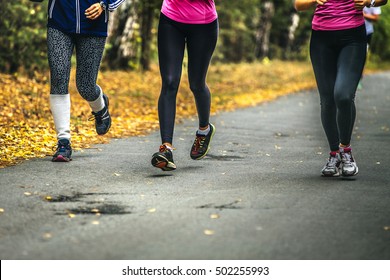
[(203, 130), (168, 146), (345, 148)]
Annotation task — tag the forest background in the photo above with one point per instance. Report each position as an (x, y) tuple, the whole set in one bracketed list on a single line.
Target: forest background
[(262, 53)]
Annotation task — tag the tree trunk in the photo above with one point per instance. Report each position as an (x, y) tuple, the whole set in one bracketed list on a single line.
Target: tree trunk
[(264, 30), (122, 50), (291, 34), (147, 20)]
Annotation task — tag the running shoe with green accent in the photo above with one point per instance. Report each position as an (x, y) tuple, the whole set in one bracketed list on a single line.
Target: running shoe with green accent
[(201, 145), (332, 167), (163, 159), (63, 152), (348, 163)]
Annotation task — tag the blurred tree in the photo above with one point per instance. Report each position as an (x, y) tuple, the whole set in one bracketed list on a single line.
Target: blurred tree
[(267, 12), (23, 36), (239, 22), (122, 43), (148, 13), (249, 29), (380, 48)]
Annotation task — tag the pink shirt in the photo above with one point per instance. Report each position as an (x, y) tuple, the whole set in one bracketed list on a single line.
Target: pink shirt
[(190, 11), (337, 15)]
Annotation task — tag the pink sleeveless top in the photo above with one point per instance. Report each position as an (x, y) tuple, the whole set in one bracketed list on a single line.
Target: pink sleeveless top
[(190, 11), (337, 15)]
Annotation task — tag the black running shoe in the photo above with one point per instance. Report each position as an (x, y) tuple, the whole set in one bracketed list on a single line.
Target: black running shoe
[(102, 118), (201, 144), (63, 152), (163, 159)]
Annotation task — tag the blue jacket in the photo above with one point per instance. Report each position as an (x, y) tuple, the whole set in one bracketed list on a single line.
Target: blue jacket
[(69, 17)]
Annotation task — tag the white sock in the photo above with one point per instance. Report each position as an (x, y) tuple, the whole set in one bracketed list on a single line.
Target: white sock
[(60, 109), (204, 132), (97, 104)]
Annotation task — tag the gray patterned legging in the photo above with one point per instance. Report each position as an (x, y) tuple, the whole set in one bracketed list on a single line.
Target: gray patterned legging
[(89, 52)]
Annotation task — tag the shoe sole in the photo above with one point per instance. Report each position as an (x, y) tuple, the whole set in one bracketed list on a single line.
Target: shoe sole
[(330, 175), (163, 163), (350, 175), (61, 158), (208, 148)]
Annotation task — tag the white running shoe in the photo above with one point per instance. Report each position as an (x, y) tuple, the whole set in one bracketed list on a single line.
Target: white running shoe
[(332, 167), (348, 163)]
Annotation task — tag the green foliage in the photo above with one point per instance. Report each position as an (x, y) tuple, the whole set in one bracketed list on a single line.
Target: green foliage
[(380, 48), (23, 36), (238, 24)]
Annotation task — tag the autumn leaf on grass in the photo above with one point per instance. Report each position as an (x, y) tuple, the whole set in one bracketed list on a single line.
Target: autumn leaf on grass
[(26, 123)]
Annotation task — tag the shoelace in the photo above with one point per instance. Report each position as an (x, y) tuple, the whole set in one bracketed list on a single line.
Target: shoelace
[(162, 149), (98, 117), (332, 161), (199, 141), (59, 148), (347, 158)]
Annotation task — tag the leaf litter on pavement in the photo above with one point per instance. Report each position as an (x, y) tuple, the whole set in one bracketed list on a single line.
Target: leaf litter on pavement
[(26, 125)]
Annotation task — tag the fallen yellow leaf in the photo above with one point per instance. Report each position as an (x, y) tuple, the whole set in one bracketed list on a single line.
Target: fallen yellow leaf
[(208, 232), (47, 235), (27, 130)]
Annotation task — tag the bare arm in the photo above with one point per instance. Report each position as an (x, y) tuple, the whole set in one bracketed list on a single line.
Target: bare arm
[(371, 17), (380, 3), (360, 4), (302, 5)]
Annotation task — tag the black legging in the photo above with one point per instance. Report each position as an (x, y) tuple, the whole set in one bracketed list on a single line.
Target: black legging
[(201, 40), (338, 60)]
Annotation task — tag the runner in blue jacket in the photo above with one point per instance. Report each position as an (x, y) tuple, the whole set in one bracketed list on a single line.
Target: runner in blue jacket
[(69, 16), (79, 25)]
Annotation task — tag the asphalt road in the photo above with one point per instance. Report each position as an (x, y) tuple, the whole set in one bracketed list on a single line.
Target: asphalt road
[(258, 195)]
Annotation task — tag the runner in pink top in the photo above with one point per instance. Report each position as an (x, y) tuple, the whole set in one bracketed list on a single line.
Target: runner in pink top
[(190, 11), (338, 47), (191, 25), (337, 15)]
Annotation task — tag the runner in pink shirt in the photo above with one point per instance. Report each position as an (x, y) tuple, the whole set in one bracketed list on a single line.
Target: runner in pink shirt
[(338, 53), (192, 24), (190, 11)]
